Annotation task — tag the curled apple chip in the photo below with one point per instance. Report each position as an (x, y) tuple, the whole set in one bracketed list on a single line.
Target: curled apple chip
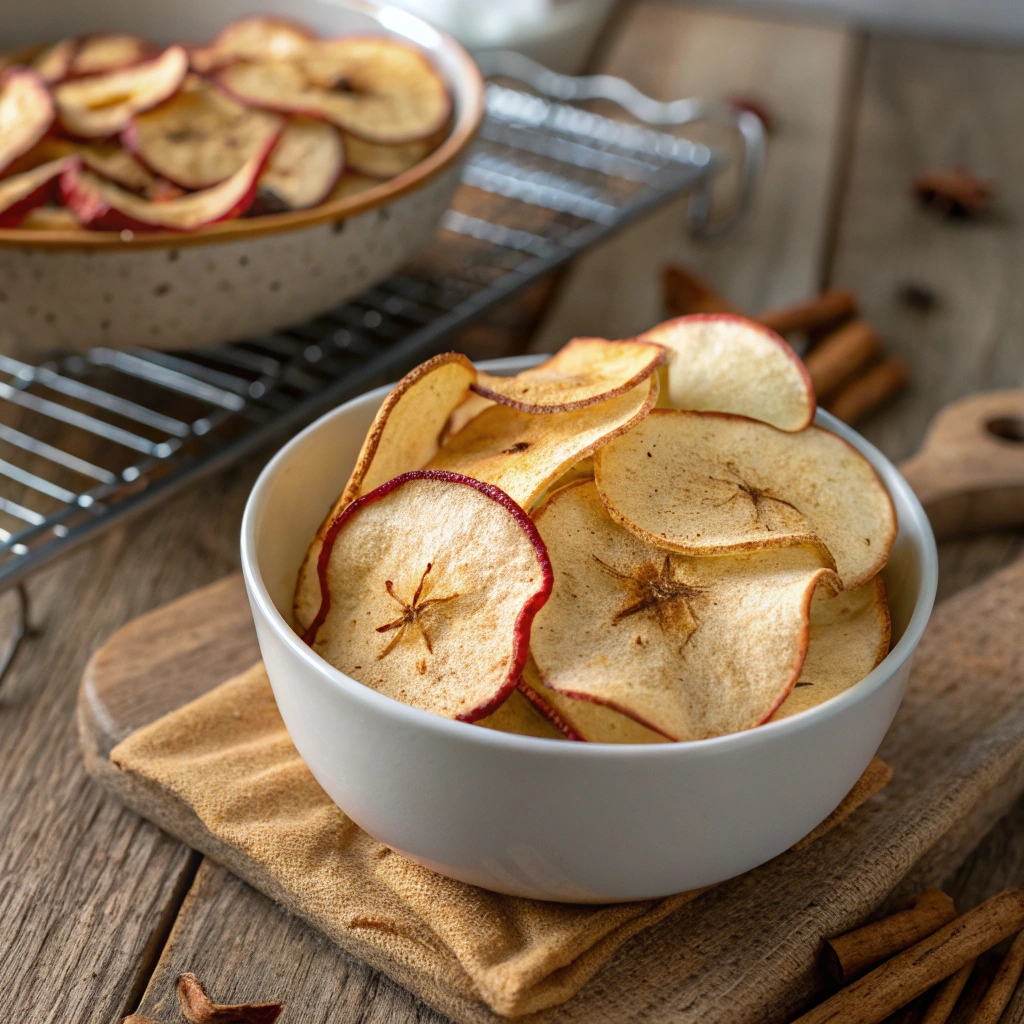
[(199, 137), (582, 373), (523, 453), (689, 647), (97, 106), (305, 164), (53, 62), (403, 437), (712, 483), (24, 192), (429, 588), (254, 38), (108, 52), (518, 714), (468, 410), (104, 206), (849, 636), (719, 362), (377, 160), (26, 113), (375, 88)]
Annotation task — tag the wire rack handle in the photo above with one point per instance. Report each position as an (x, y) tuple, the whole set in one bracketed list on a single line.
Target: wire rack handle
[(571, 89)]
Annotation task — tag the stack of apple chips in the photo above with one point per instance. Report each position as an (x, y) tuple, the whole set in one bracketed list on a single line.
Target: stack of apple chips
[(109, 133), (559, 554)]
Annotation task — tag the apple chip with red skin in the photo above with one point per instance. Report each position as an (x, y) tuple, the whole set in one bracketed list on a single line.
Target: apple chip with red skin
[(102, 205), (689, 647), (22, 193), (524, 714), (524, 453), (584, 372), (199, 137), (429, 587), (26, 113), (719, 362), (305, 164), (403, 437), (105, 52), (53, 63), (254, 38), (98, 106), (849, 636), (711, 483)]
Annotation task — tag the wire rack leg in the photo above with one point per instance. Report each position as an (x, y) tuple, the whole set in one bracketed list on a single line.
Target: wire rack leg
[(23, 631)]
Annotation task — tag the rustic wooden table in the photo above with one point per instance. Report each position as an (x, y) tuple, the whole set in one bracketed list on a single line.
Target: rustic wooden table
[(99, 911)]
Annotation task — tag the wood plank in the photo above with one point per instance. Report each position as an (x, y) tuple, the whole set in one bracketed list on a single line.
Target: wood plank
[(802, 74)]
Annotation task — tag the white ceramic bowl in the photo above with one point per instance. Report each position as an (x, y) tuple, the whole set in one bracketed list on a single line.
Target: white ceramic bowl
[(76, 289), (544, 818)]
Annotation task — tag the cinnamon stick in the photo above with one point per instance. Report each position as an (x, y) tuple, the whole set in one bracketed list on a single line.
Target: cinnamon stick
[(685, 293), (828, 308), (853, 954), (841, 356), (871, 998), (868, 393), (996, 998), (946, 995)]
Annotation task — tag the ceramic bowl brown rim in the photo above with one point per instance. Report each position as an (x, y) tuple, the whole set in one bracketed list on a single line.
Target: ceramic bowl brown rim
[(469, 94)]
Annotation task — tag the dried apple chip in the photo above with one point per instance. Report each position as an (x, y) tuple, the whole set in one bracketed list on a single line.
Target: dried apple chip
[(403, 437), (376, 160), (22, 193), (724, 363), (255, 38), (523, 453), (584, 372), (305, 164), (429, 588), (520, 715), (689, 647), (711, 483), (108, 52), (26, 113), (849, 636)]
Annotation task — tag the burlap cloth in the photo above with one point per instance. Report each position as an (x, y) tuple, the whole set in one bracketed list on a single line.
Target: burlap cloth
[(229, 757)]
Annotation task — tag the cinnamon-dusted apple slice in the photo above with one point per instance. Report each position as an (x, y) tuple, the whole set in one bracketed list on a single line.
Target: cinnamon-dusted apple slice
[(103, 206), (375, 88), (724, 363), (689, 647), (403, 437), (520, 715), (254, 38), (583, 372), (28, 190), (105, 52), (377, 160), (849, 636), (26, 113), (712, 483), (429, 587), (305, 164), (524, 453), (98, 106), (199, 137)]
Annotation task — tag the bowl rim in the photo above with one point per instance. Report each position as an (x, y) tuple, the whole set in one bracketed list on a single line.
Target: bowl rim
[(919, 531), (467, 88)]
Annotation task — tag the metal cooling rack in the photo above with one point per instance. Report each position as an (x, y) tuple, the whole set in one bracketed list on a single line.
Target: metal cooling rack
[(87, 440)]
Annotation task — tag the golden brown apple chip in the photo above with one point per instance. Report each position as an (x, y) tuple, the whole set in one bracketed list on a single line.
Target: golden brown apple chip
[(720, 362), (713, 483), (429, 587), (468, 410), (582, 373), (688, 647), (849, 637), (403, 436), (519, 715), (522, 453)]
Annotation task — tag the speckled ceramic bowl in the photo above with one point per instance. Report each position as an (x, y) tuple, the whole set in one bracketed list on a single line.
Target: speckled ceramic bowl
[(76, 289)]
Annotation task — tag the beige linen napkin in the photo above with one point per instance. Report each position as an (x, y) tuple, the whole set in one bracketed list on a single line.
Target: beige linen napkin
[(228, 756)]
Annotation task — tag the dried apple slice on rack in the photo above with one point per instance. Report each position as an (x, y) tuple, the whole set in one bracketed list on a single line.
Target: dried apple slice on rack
[(403, 437), (520, 715), (53, 63), (26, 113), (30, 189), (582, 373), (429, 586), (849, 636), (305, 164), (523, 453), (376, 160), (98, 106), (103, 206), (377, 89), (105, 52), (199, 137), (724, 363), (713, 483), (689, 647), (254, 38)]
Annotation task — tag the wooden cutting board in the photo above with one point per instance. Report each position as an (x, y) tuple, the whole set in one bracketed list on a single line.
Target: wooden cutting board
[(747, 950)]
